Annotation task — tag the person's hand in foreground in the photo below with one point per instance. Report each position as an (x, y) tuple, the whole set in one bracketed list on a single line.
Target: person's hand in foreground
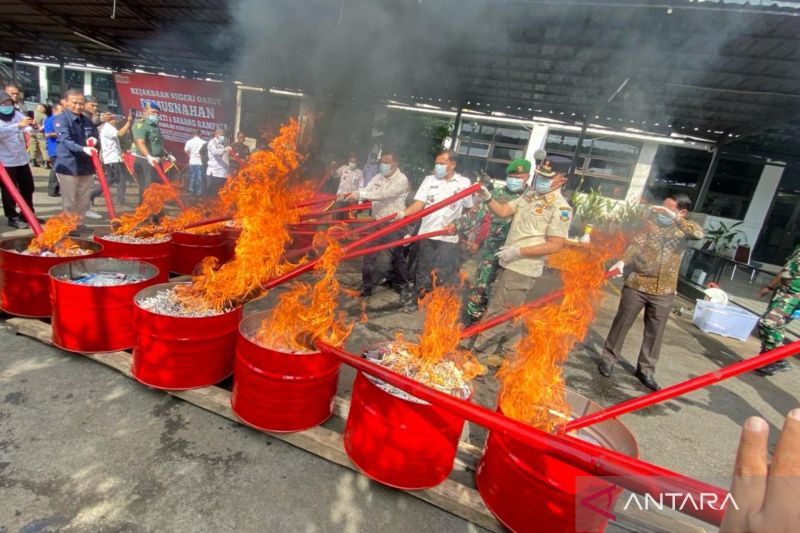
[(766, 495)]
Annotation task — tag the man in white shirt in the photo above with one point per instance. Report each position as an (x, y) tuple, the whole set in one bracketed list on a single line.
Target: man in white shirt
[(442, 254), (193, 149), (350, 176), (218, 163), (13, 127), (111, 153), (387, 191)]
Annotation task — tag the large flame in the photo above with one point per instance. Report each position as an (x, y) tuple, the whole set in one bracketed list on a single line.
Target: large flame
[(155, 196), (532, 388), (53, 232), (263, 202), (304, 312)]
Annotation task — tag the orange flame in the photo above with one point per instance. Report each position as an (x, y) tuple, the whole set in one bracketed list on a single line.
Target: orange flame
[(155, 196), (305, 313), (263, 202), (53, 231), (532, 387)]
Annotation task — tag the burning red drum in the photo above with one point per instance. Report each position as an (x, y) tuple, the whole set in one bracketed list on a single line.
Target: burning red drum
[(404, 443), (24, 279), (279, 391), (231, 234), (155, 253), (182, 352), (90, 318), (530, 491), (187, 250)]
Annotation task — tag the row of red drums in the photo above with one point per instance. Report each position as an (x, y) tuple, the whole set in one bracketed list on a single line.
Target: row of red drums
[(398, 441)]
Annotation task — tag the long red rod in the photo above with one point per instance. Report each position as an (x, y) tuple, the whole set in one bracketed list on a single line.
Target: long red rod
[(27, 212), (346, 209), (633, 474), (205, 222), (514, 312), (393, 244), (165, 181), (101, 177), (325, 200), (683, 387), (389, 228)]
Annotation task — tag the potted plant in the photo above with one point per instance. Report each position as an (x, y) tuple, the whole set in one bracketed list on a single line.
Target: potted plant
[(720, 239), (591, 209)]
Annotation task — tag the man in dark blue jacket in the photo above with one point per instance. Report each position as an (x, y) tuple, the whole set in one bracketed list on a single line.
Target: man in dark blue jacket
[(74, 155)]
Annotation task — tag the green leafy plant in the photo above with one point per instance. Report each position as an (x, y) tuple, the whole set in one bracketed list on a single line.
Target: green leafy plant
[(721, 238), (592, 207)]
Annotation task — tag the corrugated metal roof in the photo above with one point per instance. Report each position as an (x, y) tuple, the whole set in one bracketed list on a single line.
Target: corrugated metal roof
[(716, 69)]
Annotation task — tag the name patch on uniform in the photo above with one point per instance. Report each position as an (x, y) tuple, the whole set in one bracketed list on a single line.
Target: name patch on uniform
[(565, 215)]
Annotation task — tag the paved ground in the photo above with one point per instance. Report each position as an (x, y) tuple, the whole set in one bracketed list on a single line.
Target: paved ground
[(83, 448)]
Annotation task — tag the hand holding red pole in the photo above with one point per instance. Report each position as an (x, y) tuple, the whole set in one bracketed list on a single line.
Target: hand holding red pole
[(165, 180), (101, 176)]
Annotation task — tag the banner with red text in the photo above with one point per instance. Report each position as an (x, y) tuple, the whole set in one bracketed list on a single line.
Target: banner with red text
[(186, 106)]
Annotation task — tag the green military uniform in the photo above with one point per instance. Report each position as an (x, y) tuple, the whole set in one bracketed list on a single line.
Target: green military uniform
[(783, 305), (488, 264), (147, 131)]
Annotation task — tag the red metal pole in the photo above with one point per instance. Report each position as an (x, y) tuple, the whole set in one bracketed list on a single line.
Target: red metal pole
[(686, 386), (205, 222), (328, 198), (483, 325), (369, 226), (393, 244), (101, 176), (633, 474), (356, 207), (302, 269), (165, 181), (27, 212)]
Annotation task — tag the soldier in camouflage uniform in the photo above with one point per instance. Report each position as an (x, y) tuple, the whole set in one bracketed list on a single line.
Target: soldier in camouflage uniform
[(784, 304), (517, 174)]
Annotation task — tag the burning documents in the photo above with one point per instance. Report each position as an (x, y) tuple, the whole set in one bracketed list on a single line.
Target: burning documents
[(104, 278), (167, 302)]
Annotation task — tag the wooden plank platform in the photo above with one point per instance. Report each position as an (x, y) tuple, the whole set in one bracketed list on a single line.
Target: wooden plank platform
[(451, 495)]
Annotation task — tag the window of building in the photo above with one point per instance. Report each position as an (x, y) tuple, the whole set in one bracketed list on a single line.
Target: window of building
[(27, 79), (732, 188), (603, 163), (104, 90), (677, 170), (73, 79), (490, 147)]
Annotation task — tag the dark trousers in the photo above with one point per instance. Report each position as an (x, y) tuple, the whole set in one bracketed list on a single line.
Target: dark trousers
[(656, 314), (399, 265), (215, 185), (146, 175), (116, 174), (22, 178), (53, 187), (440, 256)]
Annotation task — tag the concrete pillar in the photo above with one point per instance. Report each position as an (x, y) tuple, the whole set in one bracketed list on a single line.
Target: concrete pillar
[(537, 140), (43, 85), (761, 202), (641, 172), (87, 83)]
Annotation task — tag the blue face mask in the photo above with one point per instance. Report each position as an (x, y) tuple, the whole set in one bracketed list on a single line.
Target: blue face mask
[(514, 184), (664, 220), (543, 185), (6, 109), (153, 118), (385, 169), (440, 170)]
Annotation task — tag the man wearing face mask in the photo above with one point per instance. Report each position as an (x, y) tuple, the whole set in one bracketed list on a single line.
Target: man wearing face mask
[(13, 127), (218, 162), (387, 191), (655, 257), (350, 176), (148, 146), (442, 254), (541, 219), (517, 174)]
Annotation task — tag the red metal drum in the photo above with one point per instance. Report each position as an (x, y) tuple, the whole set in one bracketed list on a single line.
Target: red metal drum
[(155, 253), (179, 353), (187, 250), (530, 491), (25, 279), (402, 443), (95, 319), (281, 391)]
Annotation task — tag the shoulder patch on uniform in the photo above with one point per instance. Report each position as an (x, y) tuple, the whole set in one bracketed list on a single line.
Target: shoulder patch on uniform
[(565, 214)]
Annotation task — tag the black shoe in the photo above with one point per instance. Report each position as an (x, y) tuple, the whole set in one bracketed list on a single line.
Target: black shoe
[(410, 308), (40, 220), (54, 194), (17, 223), (647, 381), (406, 297), (773, 368), (365, 292), (605, 368)]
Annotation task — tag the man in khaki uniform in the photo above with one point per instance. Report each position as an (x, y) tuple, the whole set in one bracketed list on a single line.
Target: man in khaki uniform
[(541, 222)]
